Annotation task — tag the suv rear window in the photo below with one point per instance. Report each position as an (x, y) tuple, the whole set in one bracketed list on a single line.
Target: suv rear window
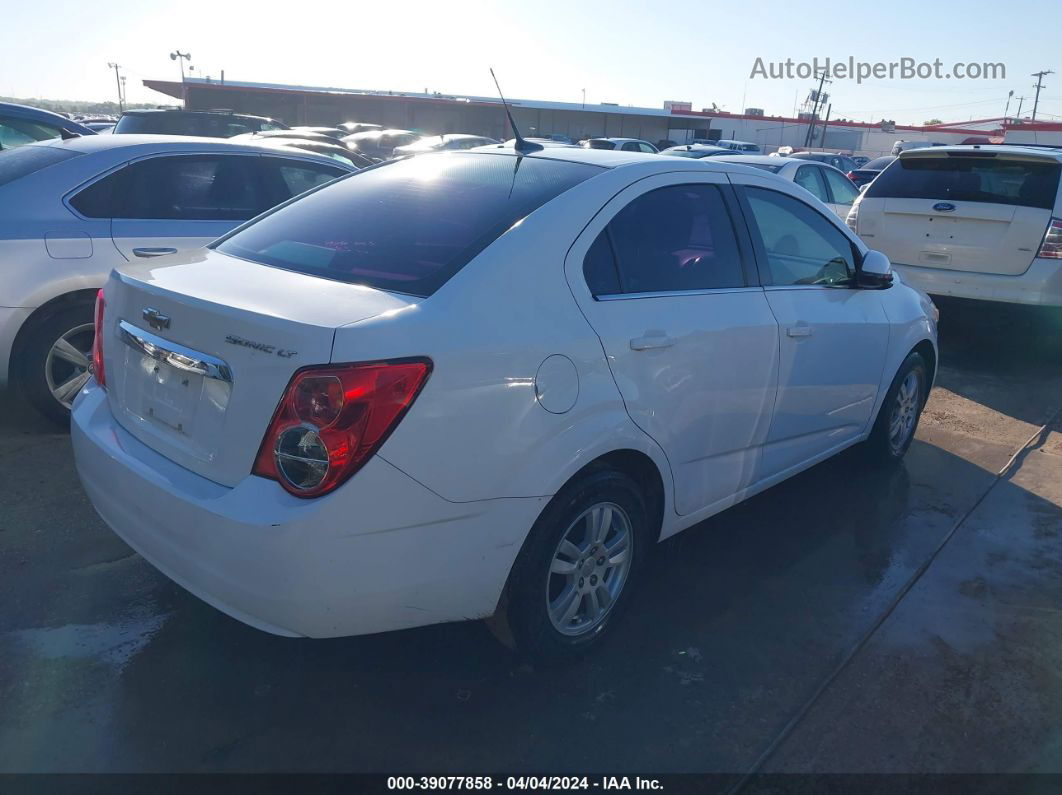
[(980, 177), (408, 225), (20, 162), (210, 125)]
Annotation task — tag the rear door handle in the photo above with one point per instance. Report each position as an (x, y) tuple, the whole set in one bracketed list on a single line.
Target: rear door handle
[(801, 329), (652, 342), (153, 252)]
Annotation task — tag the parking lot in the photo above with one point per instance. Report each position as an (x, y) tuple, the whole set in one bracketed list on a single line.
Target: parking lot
[(845, 620)]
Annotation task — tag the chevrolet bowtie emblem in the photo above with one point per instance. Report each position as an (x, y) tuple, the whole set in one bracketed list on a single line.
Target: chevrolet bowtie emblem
[(156, 319)]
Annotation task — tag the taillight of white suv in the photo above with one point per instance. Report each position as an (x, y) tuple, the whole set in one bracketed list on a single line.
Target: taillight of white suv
[(332, 419), (1051, 248)]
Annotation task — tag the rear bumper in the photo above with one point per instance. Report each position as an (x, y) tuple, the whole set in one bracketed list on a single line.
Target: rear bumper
[(1040, 285), (380, 553), (11, 320)]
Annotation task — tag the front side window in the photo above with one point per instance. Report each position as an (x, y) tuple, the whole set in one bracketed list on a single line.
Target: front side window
[(671, 239), (808, 178), (287, 178), (191, 188), (801, 247), (844, 192), (407, 226)]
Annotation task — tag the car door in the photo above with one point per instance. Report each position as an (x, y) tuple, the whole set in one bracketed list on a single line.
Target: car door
[(662, 274), (832, 336), (172, 203)]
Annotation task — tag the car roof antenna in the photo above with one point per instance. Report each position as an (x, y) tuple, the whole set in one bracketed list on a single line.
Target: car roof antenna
[(522, 144), (66, 134)]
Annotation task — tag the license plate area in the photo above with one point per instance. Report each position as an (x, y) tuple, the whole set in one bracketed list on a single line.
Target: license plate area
[(171, 396)]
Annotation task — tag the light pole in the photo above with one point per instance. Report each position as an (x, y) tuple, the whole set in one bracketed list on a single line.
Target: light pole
[(1006, 113), (183, 56), (118, 81)]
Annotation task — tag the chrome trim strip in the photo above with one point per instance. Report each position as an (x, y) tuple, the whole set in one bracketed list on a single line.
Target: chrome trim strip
[(176, 356), (676, 293)]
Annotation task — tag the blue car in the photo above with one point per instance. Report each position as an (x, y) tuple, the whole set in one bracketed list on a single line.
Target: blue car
[(20, 124)]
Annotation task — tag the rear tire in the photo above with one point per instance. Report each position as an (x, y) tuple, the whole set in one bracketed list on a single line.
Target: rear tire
[(53, 362), (900, 411), (577, 569)]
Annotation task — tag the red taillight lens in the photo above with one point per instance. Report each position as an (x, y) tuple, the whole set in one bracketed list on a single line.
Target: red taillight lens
[(1051, 248), (852, 176), (332, 419), (97, 342)]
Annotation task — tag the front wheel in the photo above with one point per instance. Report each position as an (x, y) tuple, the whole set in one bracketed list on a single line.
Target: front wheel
[(898, 416), (576, 570)]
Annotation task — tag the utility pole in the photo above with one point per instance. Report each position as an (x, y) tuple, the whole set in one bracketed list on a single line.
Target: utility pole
[(815, 108), (118, 82), (825, 124), (1021, 101), (1039, 84)]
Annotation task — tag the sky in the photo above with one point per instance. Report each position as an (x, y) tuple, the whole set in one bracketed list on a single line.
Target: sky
[(631, 53)]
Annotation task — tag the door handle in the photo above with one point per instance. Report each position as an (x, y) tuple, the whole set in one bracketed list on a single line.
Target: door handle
[(652, 342), (153, 252), (801, 329)]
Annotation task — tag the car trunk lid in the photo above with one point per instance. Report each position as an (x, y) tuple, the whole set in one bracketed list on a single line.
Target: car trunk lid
[(199, 351)]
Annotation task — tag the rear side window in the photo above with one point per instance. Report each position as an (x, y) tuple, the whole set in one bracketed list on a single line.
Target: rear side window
[(181, 187), (25, 160), (16, 132), (671, 239), (409, 225), (970, 178), (599, 144)]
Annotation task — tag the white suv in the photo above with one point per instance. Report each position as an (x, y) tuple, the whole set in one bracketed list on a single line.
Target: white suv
[(486, 383), (982, 222)]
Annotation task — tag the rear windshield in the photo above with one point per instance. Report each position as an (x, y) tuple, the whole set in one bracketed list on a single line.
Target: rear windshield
[(969, 178), (24, 160), (599, 144), (409, 225), (211, 125)]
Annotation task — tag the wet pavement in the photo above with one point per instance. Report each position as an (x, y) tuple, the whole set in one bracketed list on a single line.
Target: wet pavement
[(845, 620)]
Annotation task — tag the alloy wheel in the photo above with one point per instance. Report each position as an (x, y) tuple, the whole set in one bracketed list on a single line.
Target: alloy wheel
[(589, 569), (66, 369), (905, 411)]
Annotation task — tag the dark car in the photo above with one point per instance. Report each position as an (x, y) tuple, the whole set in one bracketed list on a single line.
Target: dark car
[(21, 124), (205, 123), (380, 144), (840, 162), (351, 127), (865, 174)]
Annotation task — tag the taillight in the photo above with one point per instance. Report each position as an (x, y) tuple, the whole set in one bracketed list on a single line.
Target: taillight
[(852, 176), (852, 218), (97, 342), (1051, 248), (332, 419)]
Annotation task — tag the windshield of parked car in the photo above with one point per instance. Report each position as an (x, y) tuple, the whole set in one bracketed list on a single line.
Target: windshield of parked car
[(407, 226), (972, 177)]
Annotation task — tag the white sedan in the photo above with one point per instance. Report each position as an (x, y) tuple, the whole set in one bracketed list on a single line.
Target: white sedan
[(74, 209), (826, 183), (484, 384)]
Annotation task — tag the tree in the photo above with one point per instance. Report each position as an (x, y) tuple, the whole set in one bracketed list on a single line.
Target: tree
[(931, 122)]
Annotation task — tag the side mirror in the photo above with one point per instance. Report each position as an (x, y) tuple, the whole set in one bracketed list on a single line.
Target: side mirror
[(875, 271)]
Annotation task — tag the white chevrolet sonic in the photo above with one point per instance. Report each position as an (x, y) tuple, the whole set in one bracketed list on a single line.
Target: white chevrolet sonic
[(484, 384)]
